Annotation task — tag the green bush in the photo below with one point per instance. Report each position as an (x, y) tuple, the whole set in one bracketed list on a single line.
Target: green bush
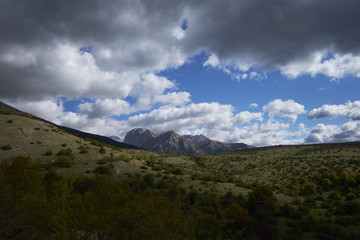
[(6, 147), (83, 150), (9, 121), (102, 150), (102, 170), (65, 152), (63, 162), (101, 161), (177, 171), (48, 153)]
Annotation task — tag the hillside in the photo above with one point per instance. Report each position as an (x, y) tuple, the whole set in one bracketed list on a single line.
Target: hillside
[(311, 189), (172, 142)]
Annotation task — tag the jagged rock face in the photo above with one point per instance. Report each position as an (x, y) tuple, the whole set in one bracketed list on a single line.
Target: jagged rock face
[(196, 138), (141, 137), (171, 142)]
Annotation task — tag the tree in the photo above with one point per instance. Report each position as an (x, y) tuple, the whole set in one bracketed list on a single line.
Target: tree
[(262, 197)]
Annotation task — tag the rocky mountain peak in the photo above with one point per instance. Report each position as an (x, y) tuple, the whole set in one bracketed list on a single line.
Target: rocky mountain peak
[(172, 142), (196, 138)]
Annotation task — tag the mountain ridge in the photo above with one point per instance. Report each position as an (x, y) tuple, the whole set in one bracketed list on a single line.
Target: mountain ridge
[(7, 109), (172, 142)]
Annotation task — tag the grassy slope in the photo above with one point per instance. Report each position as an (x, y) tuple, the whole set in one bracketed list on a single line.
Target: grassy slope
[(274, 166), (33, 137)]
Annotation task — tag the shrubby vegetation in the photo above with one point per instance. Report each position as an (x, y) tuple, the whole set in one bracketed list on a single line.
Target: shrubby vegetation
[(38, 203), (6, 147)]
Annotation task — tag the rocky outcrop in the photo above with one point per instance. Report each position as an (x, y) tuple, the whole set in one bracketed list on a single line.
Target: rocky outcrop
[(171, 142)]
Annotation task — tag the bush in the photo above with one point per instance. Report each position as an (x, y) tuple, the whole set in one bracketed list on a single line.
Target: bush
[(101, 161), (6, 147), (9, 121), (65, 152), (83, 150), (177, 171), (262, 197), (48, 153), (64, 162), (102, 150), (102, 170)]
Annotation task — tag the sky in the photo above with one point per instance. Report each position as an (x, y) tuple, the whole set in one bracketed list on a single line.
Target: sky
[(260, 72)]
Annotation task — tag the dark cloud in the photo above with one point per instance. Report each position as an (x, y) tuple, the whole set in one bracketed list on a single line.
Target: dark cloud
[(275, 32), (138, 36)]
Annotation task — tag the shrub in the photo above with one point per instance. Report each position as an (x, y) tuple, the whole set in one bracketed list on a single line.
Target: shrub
[(37, 129), (102, 150), (102, 170), (262, 197), (63, 162), (177, 171), (101, 161), (9, 121), (6, 147), (65, 152), (83, 150), (48, 153)]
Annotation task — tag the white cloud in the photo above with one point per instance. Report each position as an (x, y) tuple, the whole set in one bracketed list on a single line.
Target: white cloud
[(152, 85), (253, 105), (246, 116), (178, 33), (322, 133), (106, 107), (173, 98), (289, 109), (327, 111), (19, 57), (213, 61), (48, 109), (190, 116), (336, 67), (351, 110)]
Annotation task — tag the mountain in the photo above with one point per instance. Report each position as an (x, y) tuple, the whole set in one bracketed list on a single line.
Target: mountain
[(7, 109), (21, 129), (99, 138), (171, 142)]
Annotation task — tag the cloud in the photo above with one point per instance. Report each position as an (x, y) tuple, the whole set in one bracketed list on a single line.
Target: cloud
[(213, 61), (108, 53), (253, 105), (270, 132), (210, 115), (129, 39), (101, 126), (106, 107), (48, 109), (351, 110), (336, 67), (272, 35), (64, 71), (173, 98), (280, 108), (246, 116), (347, 132)]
